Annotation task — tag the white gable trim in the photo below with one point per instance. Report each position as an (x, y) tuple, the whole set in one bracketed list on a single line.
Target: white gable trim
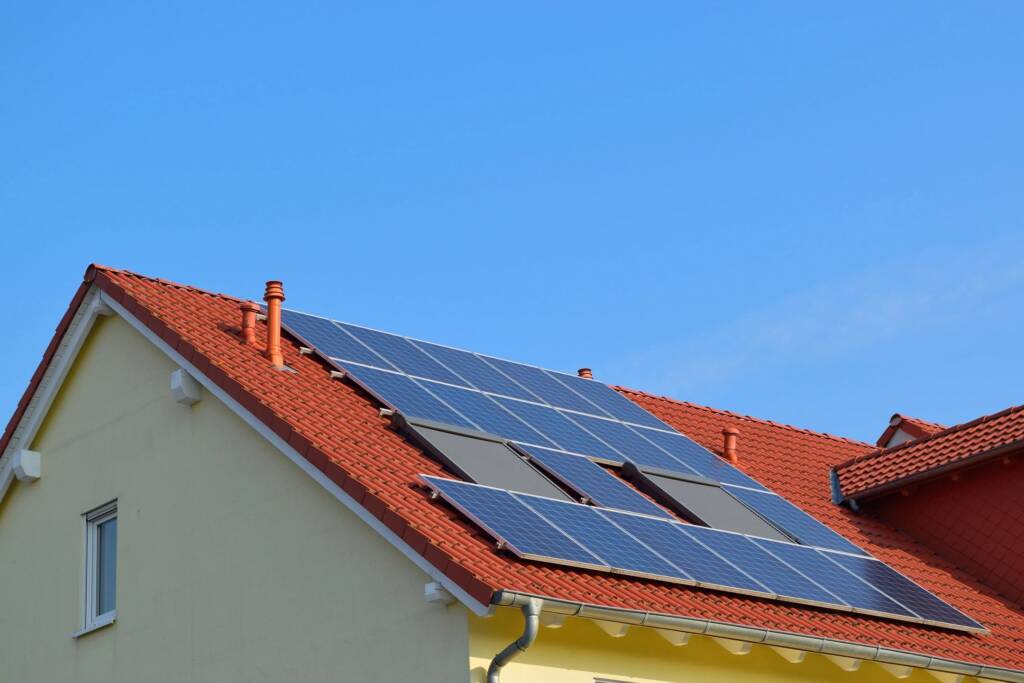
[(319, 477)]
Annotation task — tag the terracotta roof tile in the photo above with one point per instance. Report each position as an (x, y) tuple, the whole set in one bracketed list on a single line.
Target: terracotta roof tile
[(354, 445)]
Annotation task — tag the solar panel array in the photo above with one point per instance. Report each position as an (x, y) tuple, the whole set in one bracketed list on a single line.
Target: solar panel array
[(574, 534), (565, 425)]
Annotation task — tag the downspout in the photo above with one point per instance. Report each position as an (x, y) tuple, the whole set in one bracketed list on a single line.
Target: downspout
[(531, 613)]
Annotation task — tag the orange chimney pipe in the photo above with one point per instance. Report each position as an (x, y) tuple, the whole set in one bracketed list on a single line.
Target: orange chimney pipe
[(249, 311), (585, 373), (274, 295), (730, 434)]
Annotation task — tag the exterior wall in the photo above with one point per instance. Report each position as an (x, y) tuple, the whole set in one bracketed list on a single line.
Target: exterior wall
[(580, 652), (973, 520), (233, 565)]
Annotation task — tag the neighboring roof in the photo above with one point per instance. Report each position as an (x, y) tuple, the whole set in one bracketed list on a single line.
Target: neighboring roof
[(339, 429), (914, 427), (965, 444)]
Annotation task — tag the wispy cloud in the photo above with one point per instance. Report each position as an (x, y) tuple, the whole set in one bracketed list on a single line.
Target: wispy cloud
[(909, 295)]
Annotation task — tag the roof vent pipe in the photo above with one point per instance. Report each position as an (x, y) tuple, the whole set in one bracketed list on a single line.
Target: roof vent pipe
[(531, 614), (274, 295), (249, 311), (729, 449), (585, 373)]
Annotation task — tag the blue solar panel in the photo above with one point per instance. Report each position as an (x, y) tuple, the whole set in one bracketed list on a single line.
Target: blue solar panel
[(521, 529), (609, 400), (792, 520), (629, 443), (403, 355), (692, 558), (475, 371), (586, 525), (698, 458), (488, 415), (903, 590), (591, 480), (330, 339), (567, 435), (546, 387), (777, 577), (407, 396), (848, 588)]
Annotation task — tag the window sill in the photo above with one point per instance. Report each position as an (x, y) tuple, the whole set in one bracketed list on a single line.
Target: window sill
[(101, 621)]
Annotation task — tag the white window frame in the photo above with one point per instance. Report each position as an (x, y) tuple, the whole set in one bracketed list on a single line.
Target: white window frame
[(92, 621)]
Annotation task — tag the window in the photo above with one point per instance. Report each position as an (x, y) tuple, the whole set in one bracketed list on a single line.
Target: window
[(100, 567), (701, 501)]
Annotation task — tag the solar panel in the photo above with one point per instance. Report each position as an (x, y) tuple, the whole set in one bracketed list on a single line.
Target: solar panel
[(407, 396), (609, 400), (544, 386), (591, 481), (683, 551), (401, 353), (903, 590), (508, 521), (566, 434), (475, 371), (847, 587), (331, 340), (486, 413), (615, 547), (779, 578), (699, 459), (627, 442), (792, 520)]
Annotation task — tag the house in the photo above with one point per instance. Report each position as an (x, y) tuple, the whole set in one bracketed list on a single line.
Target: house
[(187, 493)]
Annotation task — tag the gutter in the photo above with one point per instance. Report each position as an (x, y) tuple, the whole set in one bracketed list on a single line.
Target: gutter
[(768, 637)]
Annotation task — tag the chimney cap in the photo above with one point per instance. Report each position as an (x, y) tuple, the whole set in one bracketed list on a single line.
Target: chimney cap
[(275, 290), (731, 431), (585, 373), (249, 306)]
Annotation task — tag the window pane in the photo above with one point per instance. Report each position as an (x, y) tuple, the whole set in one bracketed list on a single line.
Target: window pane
[(106, 565)]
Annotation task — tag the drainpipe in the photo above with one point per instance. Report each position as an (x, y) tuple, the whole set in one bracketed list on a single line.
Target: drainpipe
[(531, 614)]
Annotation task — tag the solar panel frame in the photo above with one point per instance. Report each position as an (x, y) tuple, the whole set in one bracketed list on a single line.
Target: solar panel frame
[(454, 493)]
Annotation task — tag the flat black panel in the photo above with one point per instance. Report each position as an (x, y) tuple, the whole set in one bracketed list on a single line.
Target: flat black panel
[(475, 371), (331, 340), (609, 400), (626, 441), (816, 566), (591, 480), (403, 355), (601, 537), (779, 578), (566, 434), (793, 520), (546, 387), (521, 529), (485, 462), (698, 458), (487, 414), (707, 503), (903, 590), (407, 396)]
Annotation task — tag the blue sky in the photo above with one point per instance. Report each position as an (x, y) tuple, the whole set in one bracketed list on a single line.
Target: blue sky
[(800, 211)]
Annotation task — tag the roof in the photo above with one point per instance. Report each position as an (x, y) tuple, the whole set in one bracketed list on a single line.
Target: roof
[(914, 427), (338, 428), (888, 469)]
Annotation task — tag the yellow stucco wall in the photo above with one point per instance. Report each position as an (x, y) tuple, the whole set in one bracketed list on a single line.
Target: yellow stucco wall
[(580, 652), (233, 565)]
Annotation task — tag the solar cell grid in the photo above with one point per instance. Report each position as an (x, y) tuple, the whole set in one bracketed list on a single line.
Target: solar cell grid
[(521, 529), (609, 400), (698, 458), (407, 396), (591, 480), (475, 371), (851, 590), (629, 443), (791, 519), (903, 590), (544, 386), (586, 525), (331, 340), (402, 354), (563, 432), (486, 413)]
